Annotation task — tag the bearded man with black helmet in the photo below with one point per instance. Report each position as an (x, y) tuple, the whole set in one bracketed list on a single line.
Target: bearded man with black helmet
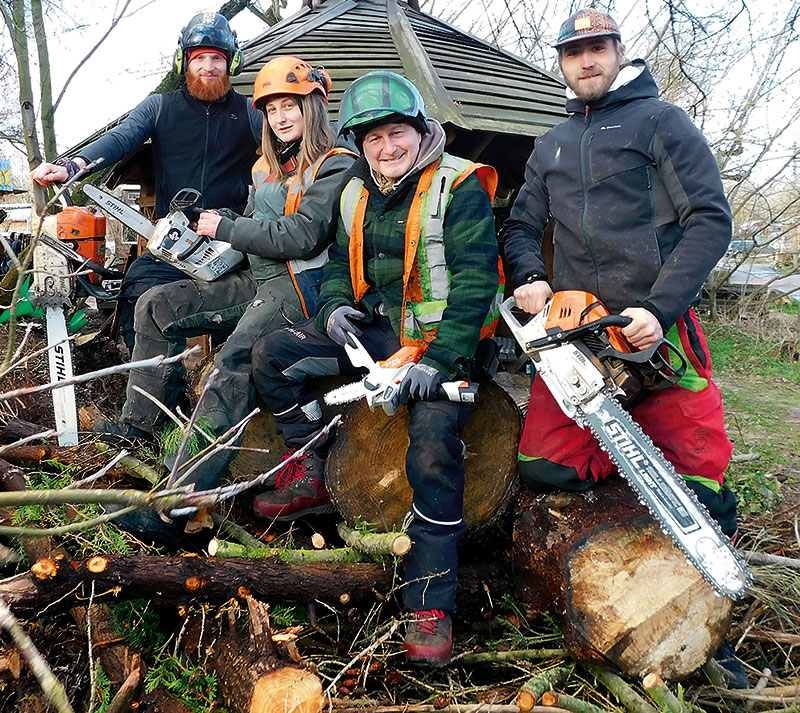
[(205, 136), (415, 263)]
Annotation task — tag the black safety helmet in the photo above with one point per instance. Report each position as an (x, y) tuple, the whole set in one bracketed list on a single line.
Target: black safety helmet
[(208, 29)]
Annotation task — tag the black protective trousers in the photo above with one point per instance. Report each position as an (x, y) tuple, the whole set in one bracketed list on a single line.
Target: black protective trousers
[(282, 363), (166, 315)]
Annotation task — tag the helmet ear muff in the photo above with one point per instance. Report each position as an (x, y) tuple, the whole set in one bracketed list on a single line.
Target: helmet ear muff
[(237, 60), (179, 61)]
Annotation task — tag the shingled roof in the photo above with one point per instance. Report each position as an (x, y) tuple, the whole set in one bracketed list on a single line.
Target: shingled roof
[(466, 82), (492, 102)]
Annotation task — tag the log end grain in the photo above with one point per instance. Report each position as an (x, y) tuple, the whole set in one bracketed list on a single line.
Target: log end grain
[(401, 545), (287, 690), (636, 600), (96, 565), (45, 568), (365, 470), (525, 701)]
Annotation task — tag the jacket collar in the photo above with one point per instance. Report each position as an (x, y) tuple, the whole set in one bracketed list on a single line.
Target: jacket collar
[(634, 81)]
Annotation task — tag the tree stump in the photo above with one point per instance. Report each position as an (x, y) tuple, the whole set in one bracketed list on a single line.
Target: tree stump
[(366, 474), (365, 470), (623, 590), (256, 673)]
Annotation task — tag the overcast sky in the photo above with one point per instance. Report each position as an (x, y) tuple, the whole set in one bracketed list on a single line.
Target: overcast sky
[(129, 64)]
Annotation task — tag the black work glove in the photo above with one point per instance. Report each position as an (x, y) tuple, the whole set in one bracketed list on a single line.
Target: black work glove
[(421, 383), (228, 213), (340, 326)]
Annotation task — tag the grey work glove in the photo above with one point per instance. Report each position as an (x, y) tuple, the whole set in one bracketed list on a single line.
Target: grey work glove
[(340, 326), (421, 383)]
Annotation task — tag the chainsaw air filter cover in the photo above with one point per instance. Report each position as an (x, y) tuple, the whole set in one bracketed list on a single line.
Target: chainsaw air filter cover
[(199, 256)]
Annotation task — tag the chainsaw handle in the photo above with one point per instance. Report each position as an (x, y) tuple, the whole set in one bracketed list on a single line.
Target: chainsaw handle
[(192, 249), (568, 335), (657, 372)]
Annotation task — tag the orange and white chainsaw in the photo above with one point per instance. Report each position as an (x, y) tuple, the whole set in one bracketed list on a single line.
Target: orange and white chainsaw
[(588, 366), (381, 385)]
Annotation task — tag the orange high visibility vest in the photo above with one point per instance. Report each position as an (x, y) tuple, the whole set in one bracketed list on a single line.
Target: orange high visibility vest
[(425, 290)]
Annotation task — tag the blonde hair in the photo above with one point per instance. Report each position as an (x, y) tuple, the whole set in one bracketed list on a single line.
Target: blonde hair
[(317, 139)]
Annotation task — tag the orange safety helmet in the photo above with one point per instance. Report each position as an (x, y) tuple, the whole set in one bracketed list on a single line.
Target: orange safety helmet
[(290, 75)]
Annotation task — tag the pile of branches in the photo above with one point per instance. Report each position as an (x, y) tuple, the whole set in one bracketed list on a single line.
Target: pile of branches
[(335, 613)]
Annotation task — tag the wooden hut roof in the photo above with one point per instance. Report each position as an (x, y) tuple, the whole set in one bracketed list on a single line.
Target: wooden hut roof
[(466, 82)]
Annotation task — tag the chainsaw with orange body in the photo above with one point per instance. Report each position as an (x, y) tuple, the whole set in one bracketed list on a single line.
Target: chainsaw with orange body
[(589, 367)]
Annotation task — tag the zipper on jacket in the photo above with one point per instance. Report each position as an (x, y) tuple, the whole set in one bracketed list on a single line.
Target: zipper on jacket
[(586, 140), (205, 156), (586, 115)]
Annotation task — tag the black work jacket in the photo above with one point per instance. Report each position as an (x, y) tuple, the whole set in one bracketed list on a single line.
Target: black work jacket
[(206, 146), (640, 214)]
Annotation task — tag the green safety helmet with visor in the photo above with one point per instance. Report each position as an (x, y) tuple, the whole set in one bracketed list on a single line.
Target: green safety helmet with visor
[(380, 97)]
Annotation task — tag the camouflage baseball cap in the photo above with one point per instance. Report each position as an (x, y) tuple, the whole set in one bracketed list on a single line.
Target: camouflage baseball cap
[(587, 23)]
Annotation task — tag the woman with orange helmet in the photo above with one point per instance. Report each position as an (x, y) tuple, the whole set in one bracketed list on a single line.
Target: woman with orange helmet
[(297, 184)]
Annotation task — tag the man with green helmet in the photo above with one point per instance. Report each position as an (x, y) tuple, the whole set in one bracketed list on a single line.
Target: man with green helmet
[(415, 263)]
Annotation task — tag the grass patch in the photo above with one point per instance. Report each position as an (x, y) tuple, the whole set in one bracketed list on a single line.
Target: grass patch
[(758, 373)]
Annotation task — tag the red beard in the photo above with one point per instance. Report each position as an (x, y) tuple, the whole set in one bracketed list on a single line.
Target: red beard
[(204, 91)]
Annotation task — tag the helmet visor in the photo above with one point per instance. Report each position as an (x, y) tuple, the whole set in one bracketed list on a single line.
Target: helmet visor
[(377, 96)]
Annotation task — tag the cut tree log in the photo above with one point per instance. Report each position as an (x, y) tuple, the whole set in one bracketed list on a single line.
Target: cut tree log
[(365, 468), (624, 591), (255, 678), (375, 543), (216, 579), (366, 475), (222, 548)]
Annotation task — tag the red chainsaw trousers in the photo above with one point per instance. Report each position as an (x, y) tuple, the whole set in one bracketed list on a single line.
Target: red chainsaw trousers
[(685, 421)]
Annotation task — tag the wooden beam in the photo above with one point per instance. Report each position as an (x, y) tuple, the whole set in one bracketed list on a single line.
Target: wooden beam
[(419, 69)]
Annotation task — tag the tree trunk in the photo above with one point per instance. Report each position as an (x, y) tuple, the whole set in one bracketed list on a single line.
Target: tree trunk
[(46, 91), (253, 673), (217, 579), (366, 475), (622, 588), (15, 22)]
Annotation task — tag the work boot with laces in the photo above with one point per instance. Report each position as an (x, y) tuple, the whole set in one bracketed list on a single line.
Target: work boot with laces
[(299, 490), (429, 638)]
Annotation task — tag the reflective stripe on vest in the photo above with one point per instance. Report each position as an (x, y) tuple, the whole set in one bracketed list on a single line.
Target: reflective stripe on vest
[(426, 276)]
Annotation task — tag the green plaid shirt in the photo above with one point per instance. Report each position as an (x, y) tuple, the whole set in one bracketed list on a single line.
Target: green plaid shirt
[(471, 253)]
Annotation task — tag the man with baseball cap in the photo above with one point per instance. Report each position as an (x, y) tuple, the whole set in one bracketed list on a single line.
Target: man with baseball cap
[(205, 136), (640, 218)]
